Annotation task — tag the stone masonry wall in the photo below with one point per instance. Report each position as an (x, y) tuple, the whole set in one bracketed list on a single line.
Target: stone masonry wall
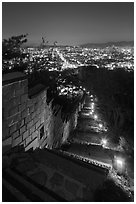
[(22, 117), (30, 121)]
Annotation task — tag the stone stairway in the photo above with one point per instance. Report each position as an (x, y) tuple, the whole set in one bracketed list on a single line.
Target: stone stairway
[(17, 187)]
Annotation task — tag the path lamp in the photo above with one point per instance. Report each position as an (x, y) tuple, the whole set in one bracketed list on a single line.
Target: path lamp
[(92, 105), (95, 117), (119, 164), (100, 125), (104, 142)]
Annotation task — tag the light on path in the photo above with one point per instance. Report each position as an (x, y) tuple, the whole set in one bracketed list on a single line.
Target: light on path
[(119, 164), (104, 142), (95, 117), (100, 125), (92, 105)]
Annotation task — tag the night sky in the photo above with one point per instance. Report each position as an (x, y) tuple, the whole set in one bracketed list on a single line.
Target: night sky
[(69, 23)]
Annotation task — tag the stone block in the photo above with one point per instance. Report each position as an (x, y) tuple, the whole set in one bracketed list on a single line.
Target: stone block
[(39, 103), (15, 134), (38, 124), (33, 115), (6, 145), (22, 144), (13, 111), (29, 102), (28, 119), (6, 89), (24, 113), (30, 124), (71, 187), (36, 106), (32, 129), (9, 94), (28, 140), (35, 119), (24, 83), (43, 142), (20, 91), (17, 141), (34, 134), (20, 123), (31, 109), (24, 98), (34, 144), (44, 100), (25, 134), (14, 101), (15, 85), (42, 109), (26, 89), (38, 111), (56, 180), (22, 107), (43, 94), (22, 129), (13, 119), (42, 119), (12, 128)]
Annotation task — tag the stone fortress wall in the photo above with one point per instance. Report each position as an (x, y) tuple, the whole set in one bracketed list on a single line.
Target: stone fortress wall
[(27, 118)]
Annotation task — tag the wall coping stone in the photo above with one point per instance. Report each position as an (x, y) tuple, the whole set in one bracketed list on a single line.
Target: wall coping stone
[(76, 161), (12, 77), (36, 90)]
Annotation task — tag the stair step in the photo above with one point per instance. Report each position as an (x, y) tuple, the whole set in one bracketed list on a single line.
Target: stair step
[(41, 187), (12, 193), (32, 192)]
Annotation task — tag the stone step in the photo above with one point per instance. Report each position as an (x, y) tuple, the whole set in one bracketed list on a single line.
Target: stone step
[(17, 185), (12, 193)]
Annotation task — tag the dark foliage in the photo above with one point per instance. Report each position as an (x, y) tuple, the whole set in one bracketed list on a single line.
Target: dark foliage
[(115, 92), (11, 50), (109, 192)]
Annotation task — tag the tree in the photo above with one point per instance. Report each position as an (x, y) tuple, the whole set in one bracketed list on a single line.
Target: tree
[(11, 50), (114, 90)]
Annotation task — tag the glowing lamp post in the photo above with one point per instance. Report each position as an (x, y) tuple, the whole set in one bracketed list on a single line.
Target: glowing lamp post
[(100, 125), (95, 117), (119, 164), (92, 105), (104, 142)]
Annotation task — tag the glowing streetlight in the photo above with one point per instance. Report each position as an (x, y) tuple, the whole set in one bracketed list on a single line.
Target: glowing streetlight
[(95, 117), (119, 164), (92, 105), (104, 142), (100, 125)]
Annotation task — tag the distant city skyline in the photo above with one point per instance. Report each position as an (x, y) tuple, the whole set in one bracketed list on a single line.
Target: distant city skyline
[(69, 23)]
